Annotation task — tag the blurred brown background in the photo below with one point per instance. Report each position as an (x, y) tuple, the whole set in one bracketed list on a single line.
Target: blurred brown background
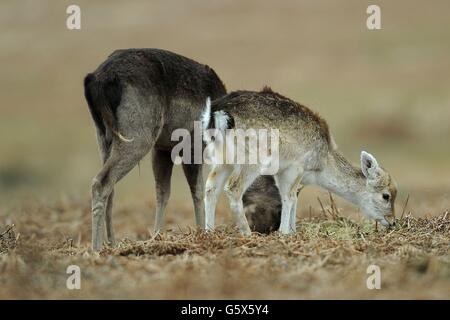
[(384, 91)]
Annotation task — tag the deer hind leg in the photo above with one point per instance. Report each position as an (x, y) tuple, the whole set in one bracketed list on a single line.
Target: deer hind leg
[(293, 217), (214, 186), (236, 185), (288, 182), (124, 157), (104, 143), (194, 177), (143, 129), (162, 170), (110, 236), (295, 191)]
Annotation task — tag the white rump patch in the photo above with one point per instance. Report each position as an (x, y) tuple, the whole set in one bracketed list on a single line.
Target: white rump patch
[(221, 120), (206, 114)]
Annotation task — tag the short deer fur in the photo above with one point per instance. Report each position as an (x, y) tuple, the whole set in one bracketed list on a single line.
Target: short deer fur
[(307, 155)]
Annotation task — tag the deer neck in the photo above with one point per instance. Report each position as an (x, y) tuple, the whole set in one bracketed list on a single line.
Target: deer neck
[(342, 178)]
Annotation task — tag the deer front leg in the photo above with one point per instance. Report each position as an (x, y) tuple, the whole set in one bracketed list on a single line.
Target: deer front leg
[(214, 186), (162, 170), (286, 207), (293, 217), (193, 173), (237, 184)]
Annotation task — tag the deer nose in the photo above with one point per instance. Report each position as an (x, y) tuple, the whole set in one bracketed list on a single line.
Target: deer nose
[(390, 218)]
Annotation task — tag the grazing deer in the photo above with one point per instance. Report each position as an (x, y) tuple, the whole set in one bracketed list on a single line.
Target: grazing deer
[(307, 155), (137, 97), (262, 205)]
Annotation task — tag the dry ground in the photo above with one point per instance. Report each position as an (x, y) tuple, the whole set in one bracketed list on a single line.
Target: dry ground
[(327, 258), (382, 91)]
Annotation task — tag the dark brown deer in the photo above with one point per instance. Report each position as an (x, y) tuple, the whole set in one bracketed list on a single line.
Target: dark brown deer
[(137, 97)]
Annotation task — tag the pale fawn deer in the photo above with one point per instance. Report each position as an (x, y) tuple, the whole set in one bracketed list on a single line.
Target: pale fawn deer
[(307, 155), (137, 97)]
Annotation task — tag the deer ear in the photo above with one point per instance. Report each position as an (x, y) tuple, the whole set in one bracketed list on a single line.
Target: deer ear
[(369, 165)]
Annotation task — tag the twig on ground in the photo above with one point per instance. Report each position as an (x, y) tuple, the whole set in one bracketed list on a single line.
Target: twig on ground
[(404, 207), (321, 205)]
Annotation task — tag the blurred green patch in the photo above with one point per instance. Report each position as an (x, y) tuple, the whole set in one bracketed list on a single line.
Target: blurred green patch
[(15, 176)]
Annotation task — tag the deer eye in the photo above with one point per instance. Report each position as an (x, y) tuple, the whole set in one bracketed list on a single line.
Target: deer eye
[(386, 196)]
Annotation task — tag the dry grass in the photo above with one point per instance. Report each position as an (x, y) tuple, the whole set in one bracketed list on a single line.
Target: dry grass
[(326, 258), (8, 239)]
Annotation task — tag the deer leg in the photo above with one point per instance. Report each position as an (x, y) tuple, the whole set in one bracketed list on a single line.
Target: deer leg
[(104, 143), (214, 186), (295, 191), (287, 182), (110, 237), (141, 125), (194, 177), (236, 185), (162, 169), (123, 158), (293, 217)]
